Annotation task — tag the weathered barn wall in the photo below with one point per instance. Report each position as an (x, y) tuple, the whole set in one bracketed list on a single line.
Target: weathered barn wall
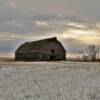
[(27, 56), (45, 50)]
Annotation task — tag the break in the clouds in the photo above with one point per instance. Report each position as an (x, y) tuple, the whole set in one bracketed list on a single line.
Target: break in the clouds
[(75, 22)]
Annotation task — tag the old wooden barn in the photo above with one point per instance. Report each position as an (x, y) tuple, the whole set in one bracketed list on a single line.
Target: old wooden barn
[(43, 50)]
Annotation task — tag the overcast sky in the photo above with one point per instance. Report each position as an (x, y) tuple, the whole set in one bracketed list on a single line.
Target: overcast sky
[(76, 23)]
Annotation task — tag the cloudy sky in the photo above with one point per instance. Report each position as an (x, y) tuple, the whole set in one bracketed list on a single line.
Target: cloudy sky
[(76, 23)]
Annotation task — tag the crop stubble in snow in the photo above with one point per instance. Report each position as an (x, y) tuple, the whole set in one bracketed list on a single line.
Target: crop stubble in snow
[(49, 81)]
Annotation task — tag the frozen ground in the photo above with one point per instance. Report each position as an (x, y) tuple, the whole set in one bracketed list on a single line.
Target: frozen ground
[(49, 81)]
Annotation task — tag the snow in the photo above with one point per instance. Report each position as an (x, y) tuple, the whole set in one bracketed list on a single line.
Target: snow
[(49, 81)]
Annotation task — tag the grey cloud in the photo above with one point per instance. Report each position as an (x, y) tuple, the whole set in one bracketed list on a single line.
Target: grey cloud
[(57, 13), (84, 9)]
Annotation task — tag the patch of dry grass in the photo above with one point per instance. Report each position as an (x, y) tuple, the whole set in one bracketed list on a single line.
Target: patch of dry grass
[(49, 80)]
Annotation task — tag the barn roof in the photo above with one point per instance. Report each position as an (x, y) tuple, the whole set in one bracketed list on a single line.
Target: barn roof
[(33, 46)]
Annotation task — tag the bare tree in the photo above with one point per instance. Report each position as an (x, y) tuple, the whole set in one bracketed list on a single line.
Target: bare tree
[(98, 53), (92, 52)]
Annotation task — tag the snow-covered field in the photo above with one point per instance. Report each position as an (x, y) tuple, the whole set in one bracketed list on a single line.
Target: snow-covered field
[(49, 81)]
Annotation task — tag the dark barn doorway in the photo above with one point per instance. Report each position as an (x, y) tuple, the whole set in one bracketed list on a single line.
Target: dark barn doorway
[(52, 57)]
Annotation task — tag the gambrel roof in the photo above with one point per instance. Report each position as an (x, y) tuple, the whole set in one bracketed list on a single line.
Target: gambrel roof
[(35, 46)]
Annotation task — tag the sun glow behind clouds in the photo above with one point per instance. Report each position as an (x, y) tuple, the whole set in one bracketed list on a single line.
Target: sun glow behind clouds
[(86, 36)]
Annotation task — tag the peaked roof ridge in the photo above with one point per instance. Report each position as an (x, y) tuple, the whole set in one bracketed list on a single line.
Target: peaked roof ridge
[(52, 38), (36, 43)]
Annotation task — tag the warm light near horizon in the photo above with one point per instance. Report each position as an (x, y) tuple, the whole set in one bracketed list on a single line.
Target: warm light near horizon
[(87, 37)]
